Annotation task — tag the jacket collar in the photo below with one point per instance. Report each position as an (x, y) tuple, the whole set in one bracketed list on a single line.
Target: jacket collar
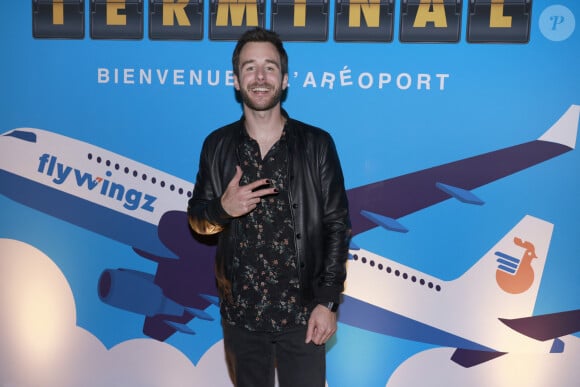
[(241, 130)]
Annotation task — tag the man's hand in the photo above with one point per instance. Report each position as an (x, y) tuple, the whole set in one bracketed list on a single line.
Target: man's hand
[(239, 200), (321, 325)]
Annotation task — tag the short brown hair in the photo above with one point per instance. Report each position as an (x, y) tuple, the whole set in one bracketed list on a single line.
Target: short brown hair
[(260, 34)]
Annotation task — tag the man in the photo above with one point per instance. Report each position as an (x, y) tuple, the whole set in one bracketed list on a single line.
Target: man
[(272, 187)]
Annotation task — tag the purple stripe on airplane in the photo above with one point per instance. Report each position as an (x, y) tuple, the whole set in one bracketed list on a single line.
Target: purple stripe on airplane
[(404, 195)]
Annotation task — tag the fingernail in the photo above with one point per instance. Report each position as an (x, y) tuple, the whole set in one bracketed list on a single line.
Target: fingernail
[(275, 189)]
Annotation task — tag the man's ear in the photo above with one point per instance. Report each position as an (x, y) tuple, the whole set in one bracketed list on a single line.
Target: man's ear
[(284, 82), (236, 82)]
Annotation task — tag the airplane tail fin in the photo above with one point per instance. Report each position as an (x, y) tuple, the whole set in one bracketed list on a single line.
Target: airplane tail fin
[(565, 130), (508, 276)]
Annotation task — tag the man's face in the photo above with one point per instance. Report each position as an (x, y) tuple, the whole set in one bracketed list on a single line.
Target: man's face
[(260, 81)]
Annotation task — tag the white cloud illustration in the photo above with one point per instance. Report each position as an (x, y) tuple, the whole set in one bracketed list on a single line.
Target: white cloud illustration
[(510, 370), (43, 346)]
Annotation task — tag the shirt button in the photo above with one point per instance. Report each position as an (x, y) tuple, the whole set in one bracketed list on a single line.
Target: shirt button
[(298, 236), (294, 205)]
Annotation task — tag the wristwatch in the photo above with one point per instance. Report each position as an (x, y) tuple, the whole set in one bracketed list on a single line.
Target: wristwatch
[(332, 306)]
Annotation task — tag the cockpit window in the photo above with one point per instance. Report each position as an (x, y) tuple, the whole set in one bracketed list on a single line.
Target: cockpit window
[(23, 135)]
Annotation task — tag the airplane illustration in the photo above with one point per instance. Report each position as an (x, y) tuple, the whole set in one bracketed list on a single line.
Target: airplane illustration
[(485, 313), (144, 208)]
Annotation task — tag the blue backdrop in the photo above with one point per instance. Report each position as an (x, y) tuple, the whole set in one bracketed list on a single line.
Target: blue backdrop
[(392, 107)]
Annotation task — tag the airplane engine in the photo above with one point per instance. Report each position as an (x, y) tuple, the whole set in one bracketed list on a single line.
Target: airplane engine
[(135, 291)]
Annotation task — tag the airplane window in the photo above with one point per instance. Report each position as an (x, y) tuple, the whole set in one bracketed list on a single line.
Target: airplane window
[(396, 272), (22, 135), (29, 136)]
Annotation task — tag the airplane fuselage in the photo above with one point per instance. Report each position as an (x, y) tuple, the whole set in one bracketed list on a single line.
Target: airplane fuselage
[(463, 312), (90, 186)]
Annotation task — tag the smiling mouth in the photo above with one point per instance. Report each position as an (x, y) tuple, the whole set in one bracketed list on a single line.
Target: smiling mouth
[(259, 89)]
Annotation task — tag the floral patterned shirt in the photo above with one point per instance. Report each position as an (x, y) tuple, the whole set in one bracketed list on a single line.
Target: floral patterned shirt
[(266, 287)]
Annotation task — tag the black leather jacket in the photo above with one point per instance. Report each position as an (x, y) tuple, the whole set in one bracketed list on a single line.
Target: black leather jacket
[(318, 201)]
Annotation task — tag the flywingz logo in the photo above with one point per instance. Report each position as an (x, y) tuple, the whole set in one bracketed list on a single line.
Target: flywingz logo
[(515, 275), (132, 199)]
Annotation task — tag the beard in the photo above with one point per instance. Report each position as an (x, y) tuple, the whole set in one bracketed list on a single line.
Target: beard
[(261, 105)]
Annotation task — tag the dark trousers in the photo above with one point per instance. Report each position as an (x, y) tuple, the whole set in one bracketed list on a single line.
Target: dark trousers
[(252, 358)]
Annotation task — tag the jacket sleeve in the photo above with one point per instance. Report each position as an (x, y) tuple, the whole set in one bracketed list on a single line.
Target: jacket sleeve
[(336, 224), (205, 212)]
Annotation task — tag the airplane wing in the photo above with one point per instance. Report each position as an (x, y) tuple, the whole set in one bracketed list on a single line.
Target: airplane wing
[(470, 357), (381, 203), (541, 327), (180, 289), (547, 326), (189, 281)]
